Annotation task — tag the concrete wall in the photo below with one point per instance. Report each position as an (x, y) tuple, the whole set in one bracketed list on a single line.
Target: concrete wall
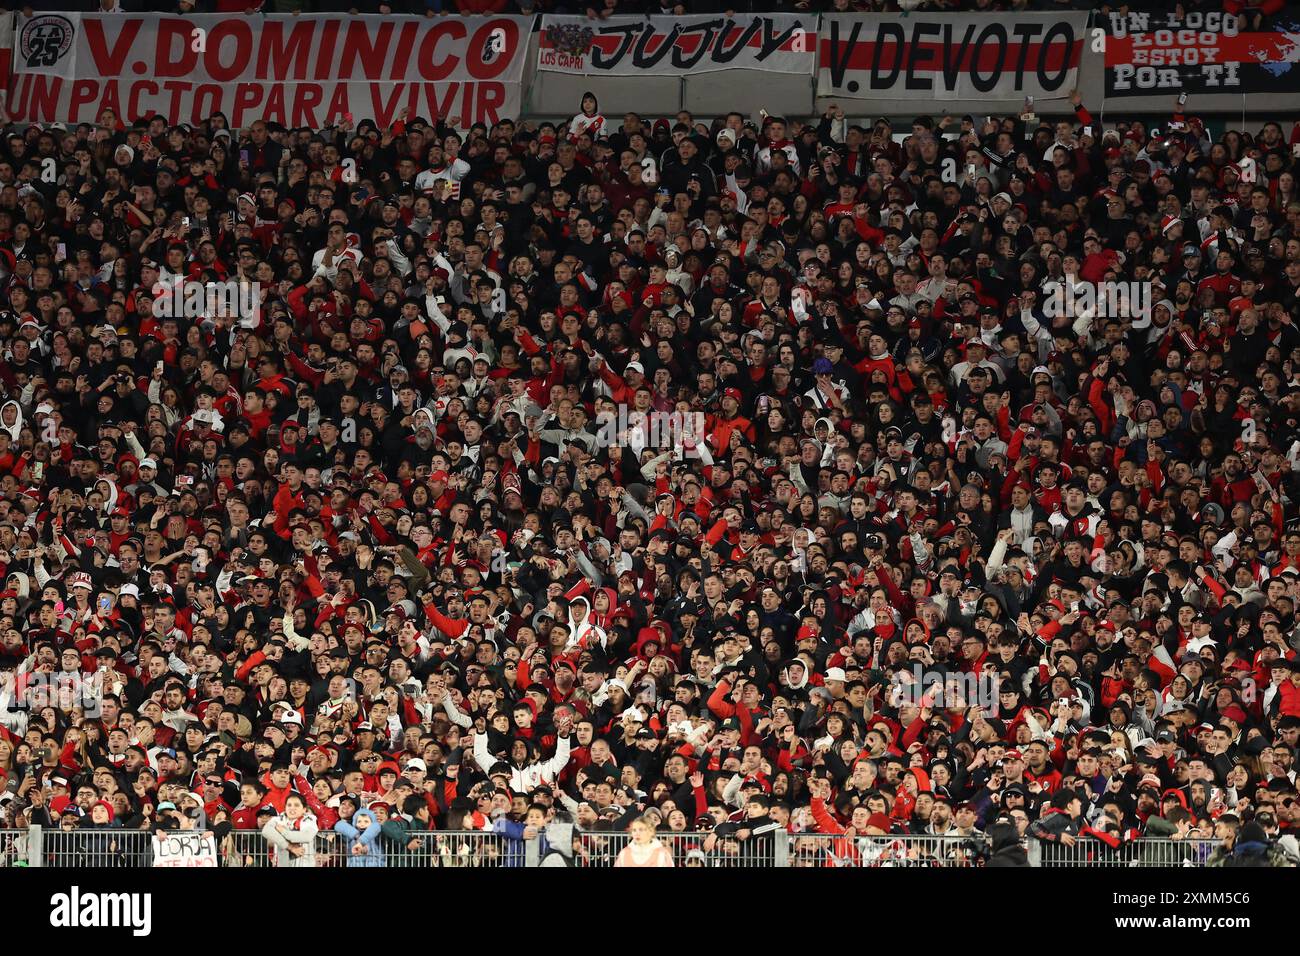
[(556, 95)]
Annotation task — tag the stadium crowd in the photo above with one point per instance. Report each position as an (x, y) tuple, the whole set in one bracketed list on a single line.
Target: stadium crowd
[(1252, 12), (654, 475)]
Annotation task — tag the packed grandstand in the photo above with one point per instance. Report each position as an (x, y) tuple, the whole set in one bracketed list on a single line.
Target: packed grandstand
[(651, 490)]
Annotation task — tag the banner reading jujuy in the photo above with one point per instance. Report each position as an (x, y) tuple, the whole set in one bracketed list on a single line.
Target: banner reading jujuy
[(299, 71), (676, 46), (1199, 53), (1000, 60)]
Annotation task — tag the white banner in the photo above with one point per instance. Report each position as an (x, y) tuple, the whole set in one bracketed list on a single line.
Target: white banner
[(963, 56), (6, 46), (676, 46), (188, 850), (299, 71)]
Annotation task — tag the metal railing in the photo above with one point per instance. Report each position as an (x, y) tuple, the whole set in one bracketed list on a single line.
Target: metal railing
[(909, 850), (601, 848), (14, 848), (429, 848), (80, 847), (1146, 851), (563, 845)]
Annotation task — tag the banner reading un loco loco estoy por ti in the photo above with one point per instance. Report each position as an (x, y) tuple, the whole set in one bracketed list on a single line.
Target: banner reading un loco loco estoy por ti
[(299, 71), (950, 56), (1210, 52), (675, 46)]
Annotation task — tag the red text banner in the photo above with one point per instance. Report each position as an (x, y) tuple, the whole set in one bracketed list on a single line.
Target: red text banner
[(299, 71), (950, 56)]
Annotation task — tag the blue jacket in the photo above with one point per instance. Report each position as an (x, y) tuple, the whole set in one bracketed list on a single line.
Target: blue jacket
[(514, 851), (368, 838)]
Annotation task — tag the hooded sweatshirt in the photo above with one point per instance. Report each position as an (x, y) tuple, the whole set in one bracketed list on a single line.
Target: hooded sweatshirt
[(364, 848), (15, 426)]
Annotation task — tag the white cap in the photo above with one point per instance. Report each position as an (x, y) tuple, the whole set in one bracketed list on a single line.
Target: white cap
[(148, 463), (129, 590), (836, 673), (415, 763), (635, 367)]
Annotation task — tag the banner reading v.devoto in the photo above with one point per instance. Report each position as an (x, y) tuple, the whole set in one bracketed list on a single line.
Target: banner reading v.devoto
[(999, 59), (299, 71)]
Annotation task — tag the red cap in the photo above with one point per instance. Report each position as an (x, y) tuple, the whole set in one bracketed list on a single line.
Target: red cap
[(1234, 714), (732, 393), (438, 476)]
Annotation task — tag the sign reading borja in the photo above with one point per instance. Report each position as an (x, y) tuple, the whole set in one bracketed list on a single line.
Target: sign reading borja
[(299, 71), (955, 56), (674, 46), (185, 850)]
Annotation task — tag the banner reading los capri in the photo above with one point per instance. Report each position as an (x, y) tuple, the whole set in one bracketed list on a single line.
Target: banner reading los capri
[(299, 71)]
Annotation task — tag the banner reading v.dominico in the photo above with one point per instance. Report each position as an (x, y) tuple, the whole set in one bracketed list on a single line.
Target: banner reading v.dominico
[(299, 71)]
